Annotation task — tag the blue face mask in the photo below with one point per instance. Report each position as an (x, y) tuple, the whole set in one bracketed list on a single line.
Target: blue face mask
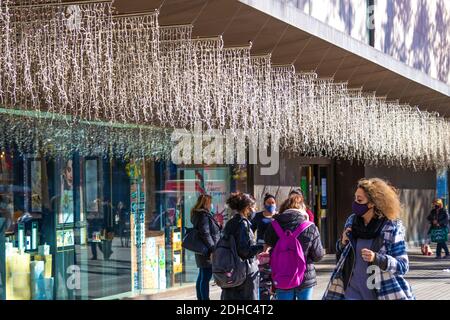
[(271, 208)]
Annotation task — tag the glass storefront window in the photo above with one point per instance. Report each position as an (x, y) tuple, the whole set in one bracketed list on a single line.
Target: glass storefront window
[(65, 231), (173, 191), (442, 186), (80, 228)]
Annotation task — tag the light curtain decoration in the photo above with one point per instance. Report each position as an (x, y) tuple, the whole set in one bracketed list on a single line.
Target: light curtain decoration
[(58, 57), (207, 86), (177, 70), (136, 68), (28, 131), (112, 78)]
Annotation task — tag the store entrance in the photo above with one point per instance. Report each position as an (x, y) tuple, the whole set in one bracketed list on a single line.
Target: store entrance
[(317, 184)]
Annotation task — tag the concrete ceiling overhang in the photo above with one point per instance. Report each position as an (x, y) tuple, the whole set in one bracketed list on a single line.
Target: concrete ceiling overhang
[(293, 37)]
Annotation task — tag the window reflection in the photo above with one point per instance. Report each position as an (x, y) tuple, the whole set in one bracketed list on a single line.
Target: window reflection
[(69, 224)]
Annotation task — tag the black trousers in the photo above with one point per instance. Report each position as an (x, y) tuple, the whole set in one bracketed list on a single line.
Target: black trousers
[(249, 290)]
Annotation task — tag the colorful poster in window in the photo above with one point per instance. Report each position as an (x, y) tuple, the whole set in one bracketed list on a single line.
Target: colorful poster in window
[(323, 193), (162, 267), (177, 262), (91, 186), (153, 273), (6, 194), (151, 264), (65, 238), (442, 186), (304, 187), (239, 177), (36, 186), (217, 185), (176, 241), (66, 214)]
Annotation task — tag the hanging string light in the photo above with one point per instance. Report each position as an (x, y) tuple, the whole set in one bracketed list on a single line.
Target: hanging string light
[(79, 61), (177, 68), (261, 93), (136, 67), (62, 57), (207, 76), (237, 87)]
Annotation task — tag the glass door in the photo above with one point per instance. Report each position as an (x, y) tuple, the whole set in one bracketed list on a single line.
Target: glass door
[(314, 182), (213, 181), (308, 187), (323, 202)]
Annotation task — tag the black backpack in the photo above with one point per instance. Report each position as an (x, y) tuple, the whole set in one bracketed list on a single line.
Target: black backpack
[(229, 270)]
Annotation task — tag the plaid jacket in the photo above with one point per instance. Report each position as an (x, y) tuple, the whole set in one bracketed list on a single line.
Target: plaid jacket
[(393, 251)]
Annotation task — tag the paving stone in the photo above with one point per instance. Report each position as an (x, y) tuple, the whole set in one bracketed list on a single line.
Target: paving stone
[(426, 276)]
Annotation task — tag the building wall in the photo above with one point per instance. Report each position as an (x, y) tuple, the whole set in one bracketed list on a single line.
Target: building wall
[(279, 185), (416, 32), (417, 190), (347, 176), (288, 177), (292, 169), (348, 16)]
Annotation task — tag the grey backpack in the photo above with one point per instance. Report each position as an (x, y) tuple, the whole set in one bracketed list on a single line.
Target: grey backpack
[(229, 270)]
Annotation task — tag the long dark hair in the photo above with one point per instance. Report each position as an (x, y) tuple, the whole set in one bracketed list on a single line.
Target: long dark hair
[(203, 202)]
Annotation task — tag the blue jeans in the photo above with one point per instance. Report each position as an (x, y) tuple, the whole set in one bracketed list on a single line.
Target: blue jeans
[(202, 285), (440, 246), (294, 294)]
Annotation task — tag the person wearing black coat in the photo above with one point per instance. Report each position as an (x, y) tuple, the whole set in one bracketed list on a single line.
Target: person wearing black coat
[(438, 218), (243, 206), (209, 231), (290, 218)]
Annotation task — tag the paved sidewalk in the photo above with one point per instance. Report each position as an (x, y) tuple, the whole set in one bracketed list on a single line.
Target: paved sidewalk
[(426, 276)]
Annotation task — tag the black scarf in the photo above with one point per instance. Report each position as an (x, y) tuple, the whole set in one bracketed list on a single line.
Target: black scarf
[(371, 231)]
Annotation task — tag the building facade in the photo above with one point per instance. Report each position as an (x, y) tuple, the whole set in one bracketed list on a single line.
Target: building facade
[(89, 225), (415, 32)]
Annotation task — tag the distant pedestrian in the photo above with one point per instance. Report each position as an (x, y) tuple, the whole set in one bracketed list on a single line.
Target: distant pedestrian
[(373, 243), (209, 232), (123, 217), (439, 219)]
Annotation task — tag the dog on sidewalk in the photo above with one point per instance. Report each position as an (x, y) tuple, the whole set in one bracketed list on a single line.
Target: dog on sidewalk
[(426, 250)]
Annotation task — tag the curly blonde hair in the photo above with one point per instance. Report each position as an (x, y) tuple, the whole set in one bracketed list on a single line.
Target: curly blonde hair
[(383, 196)]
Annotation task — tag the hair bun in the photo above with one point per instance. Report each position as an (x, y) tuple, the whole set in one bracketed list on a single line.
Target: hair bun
[(268, 196), (239, 201)]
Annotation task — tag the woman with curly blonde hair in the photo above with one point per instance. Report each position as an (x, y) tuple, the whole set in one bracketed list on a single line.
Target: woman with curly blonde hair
[(371, 254)]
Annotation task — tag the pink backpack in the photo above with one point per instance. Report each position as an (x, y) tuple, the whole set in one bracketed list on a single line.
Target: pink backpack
[(287, 260)]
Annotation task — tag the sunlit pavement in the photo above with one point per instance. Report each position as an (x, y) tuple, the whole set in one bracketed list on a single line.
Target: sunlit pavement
[(426, 276)]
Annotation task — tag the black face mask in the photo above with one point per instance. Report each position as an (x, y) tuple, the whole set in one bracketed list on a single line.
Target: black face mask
[(371, 231)]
